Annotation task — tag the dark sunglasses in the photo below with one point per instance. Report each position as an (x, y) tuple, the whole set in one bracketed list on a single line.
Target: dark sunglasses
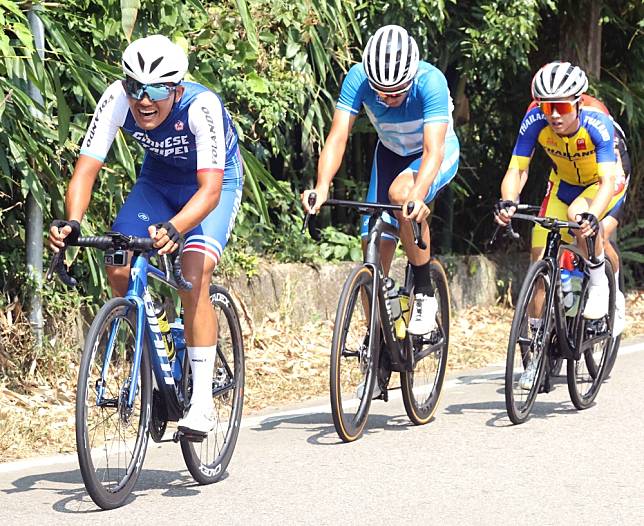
[(155, 92), (394, 94)]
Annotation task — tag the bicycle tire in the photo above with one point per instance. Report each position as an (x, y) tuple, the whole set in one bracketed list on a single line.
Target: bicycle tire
[(529, 347), (618, 340), (349, 361), (208, 460), (110, 486), (585, 375), (421, 404)]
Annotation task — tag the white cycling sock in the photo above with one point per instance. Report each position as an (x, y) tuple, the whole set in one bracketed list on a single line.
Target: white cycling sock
[(598, 273), (617, 280), (202, 360)]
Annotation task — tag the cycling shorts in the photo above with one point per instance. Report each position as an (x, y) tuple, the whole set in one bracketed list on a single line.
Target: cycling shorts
[(388, 165), (559, 197), (152, 201)]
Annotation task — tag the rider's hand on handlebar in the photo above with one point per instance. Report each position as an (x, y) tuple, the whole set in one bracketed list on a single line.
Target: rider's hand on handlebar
[(503, 211), (321, 195), (59, 230), (419, 212), (166, 237), (589, 224)]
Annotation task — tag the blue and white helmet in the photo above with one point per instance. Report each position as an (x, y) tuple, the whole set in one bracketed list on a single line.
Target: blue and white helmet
[(559, 80), (155, 60), (390, 58)]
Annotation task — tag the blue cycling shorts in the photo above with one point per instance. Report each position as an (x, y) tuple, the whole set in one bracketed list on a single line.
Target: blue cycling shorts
[(153, 201), (388, 165)]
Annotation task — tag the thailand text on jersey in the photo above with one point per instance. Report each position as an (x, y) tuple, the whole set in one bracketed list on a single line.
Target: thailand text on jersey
[(400, 129), (198, 135), (579, 159)]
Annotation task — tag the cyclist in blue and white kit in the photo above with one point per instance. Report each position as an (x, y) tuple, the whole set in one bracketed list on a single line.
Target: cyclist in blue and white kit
[(409, 104), (190, 185)]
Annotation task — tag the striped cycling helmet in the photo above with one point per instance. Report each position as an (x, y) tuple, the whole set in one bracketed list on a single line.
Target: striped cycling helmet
[(559, 80), (390, 58)]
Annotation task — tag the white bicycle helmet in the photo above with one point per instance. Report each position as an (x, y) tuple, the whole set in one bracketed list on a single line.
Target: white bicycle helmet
[(390, 58), (559, 80), (154, 60)]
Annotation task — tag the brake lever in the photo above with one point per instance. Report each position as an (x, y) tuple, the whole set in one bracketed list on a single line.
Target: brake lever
[(307, 217), (416, 229), (57, 266)]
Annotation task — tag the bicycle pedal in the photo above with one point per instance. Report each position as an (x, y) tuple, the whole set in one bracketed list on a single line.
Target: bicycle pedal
[(189, 435)]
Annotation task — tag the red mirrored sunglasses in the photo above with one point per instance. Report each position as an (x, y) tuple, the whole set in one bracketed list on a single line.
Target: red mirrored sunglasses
[(563, 107)]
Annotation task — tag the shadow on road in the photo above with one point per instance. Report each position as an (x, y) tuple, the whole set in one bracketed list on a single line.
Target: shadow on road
[(321, 429), (70, 485)]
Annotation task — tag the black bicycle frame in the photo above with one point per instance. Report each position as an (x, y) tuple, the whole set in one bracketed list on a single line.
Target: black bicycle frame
[(400, 353)]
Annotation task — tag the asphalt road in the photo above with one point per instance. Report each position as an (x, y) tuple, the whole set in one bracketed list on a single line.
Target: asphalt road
[(468, 466)]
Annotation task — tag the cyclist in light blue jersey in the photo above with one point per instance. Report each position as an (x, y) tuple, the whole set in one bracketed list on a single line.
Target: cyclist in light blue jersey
[(190, 186), (408, 102)]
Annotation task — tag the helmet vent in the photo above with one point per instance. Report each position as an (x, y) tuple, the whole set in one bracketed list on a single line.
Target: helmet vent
[(155, 64), (141, 61)]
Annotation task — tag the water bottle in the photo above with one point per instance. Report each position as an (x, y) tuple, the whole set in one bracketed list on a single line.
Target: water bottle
[(179, 339), (400, 325), (392, 299), (576, 278), (164, 327), (566, 289)]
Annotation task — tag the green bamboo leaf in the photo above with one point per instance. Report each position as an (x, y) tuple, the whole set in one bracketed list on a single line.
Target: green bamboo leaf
[(256, 83), (249, 24), (635, 257), (64, 113), (129, 11)]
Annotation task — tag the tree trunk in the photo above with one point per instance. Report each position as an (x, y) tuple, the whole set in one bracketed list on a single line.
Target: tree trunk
[(580, 34)]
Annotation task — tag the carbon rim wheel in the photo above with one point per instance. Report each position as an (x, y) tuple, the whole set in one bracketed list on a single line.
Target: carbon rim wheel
[(525, 363), (594, 340), (422, 387), (111, 435), (207, 460), (353, 371)]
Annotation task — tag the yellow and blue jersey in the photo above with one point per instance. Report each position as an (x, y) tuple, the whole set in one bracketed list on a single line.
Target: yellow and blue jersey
[(580, 159)]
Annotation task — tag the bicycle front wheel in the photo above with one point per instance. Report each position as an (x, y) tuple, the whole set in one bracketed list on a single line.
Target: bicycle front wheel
[(111, 433), (594, 342), (353, 370), (527, 347), (422, 387), (207, 460)]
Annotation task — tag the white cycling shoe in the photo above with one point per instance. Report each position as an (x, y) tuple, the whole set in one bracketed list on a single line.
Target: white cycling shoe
[(597, 303), (376, 391), (526, 381), (423, 315), (198, 421), (620, 313)]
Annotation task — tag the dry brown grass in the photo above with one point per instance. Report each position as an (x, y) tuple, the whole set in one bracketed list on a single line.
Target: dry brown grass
[(285, 364)]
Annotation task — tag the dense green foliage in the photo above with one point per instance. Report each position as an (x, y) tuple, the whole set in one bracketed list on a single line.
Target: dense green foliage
[(278, 65)]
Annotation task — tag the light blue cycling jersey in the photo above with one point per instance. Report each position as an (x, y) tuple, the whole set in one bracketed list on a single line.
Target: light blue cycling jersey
[(401, 129)]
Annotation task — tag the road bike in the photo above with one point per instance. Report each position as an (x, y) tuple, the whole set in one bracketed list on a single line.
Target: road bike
[(129, 388), (369, 305), (556, 333)]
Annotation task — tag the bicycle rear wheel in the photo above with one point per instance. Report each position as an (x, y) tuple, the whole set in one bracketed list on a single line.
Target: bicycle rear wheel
[(351, 365), (111, 436), (610, 362), (594, 341), (527, 347), (207, 460), (422, 387)]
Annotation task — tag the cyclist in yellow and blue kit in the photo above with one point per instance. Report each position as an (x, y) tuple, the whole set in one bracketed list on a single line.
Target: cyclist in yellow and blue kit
[(586, 181), (190, 185)]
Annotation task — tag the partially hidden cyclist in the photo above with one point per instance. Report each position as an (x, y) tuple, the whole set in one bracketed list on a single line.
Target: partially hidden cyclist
[(408, 103), (586, 183), (190, 185)]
